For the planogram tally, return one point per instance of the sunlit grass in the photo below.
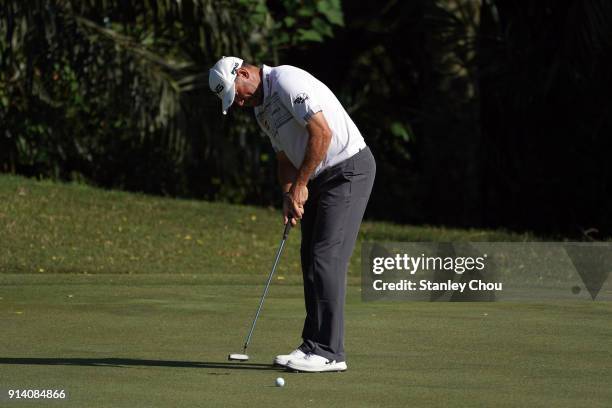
(51, 228)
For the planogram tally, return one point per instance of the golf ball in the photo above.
(280, 382)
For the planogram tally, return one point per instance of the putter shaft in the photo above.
(265, 292)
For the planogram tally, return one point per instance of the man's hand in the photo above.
(293, 202)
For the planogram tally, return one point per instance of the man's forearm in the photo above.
(316, 149)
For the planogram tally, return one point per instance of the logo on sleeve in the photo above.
(301, 98)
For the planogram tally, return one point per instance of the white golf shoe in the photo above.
(283, 359)
(313, 363)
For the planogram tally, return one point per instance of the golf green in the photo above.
(162, 340)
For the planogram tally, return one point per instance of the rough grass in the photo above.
(51, 228)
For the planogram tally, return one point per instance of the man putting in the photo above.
(326, 172)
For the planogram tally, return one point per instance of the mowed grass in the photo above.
(125, 300)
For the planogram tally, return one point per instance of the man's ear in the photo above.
(243, 72)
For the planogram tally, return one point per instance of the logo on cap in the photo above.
(234, 69)
(219, 88)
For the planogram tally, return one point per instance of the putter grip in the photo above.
(287, 227)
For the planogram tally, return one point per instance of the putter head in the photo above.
(238, 357)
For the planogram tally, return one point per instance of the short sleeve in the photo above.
(299, 97)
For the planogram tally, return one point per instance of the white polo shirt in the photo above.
(291, 97)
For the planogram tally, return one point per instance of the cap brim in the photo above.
(228, 98)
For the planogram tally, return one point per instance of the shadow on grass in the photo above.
(129, 362)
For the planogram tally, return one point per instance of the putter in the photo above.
(244, 356)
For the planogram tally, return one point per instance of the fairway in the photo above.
(82, 315)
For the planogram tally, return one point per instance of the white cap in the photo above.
(221, 80)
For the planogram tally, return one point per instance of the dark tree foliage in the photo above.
(489, 113)
(492, 113)
(116, 93)
(546, 76)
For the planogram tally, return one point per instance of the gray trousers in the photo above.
(337, 199)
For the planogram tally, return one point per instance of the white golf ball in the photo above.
(280, 382)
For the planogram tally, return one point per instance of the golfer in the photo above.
(326, 172)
